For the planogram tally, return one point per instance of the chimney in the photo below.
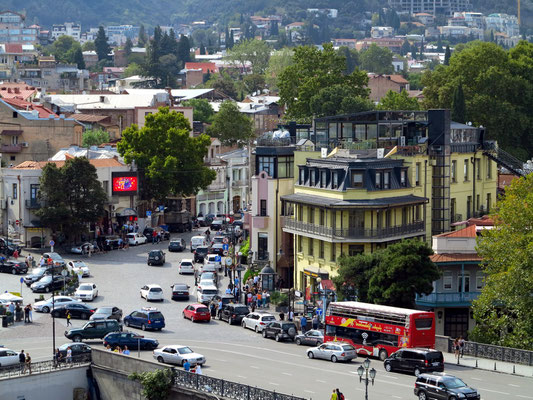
(102, 99)
(9, 90)
(17, 90)
(170, 98)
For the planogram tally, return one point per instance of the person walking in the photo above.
(68, 318)
(456, 348)
(154, 236)
(219, 308)
(340, 396)
(461, 346)
(291, 315)
(199, 369)
(28, 362)
(303, 324)
(57, 357)
(259, 297)
(26, 314)
(315, 322)
(22, 361)
(69, 356)
(31, 312)
(334, 395)
(126, 351)
(187, 365)
(16, 254)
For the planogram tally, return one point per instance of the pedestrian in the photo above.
(31, 312)
(187, 365)
(68, 318)
(158, 236)
(456, 348)
(195, 277)
(57, 357)
(136, 227)
(126, 351)
(12, 308)
(303, 323)
(154, 236)
(213, 310)
(219, 308)
(315, 322)
(334, 395)
(291, 315)
(22, 361)
(249, 298)
(28, 362)
(461, 345)
(340, 396)
(26, 314)
(108, 348)
(16, 254)
(259, 297)
(199, 369)
(267, 298)
(28, 261)
(42, 261)
(69, 356)
(282, 316)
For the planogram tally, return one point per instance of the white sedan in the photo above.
(186, 266)
(8, 357)
(176, 354)
(152, 292)
(77, 266)
(135, 239)
(257, 320)
(82, 248)
(46, 305)
(86, 291)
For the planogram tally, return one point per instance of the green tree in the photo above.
(255, 52)
(202, 110)
(224, 84)
(377, 59)
(352, 58)
(398, 101)
(254, 83)
(88, 46)
(142, 40)
(202, 49)
(72, 195)
(170, 161)
(101, 45)
(231, 126)
(156, 384)
(230, 41)
(312, 71)
(184, 50)
(353, 276)
(406, 47)
(64, 49)
(447, 55)
(458, 105)
(503, 310)
(277, 63)
(338, 99)
(78, 58)
(94, 137)
(127, 47)
(439, 45)
(132, 69)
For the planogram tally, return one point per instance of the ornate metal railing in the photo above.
(225, 388)
(15, 370)
(498, 353)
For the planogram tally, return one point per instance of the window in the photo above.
(468, 206)
(333, 255)
(263, 208)
(476, 206)
(454, 171)
(323, 179)
(262, 246)
(34, 192)
(300, 245)
(322, 217)
(302, 176)
(335, 180)
(266, 164)
(403, 178)
(463, 282)
(489, 201)
(480, 281)
(465, 171)
(285, 167)
(15, 114)
(477, 166)
(14, 140)
(378, 180)
(14, 194)
(386, 184)
(321, 249)
(447, 280)
(417, 212)
(417, 174)
(300, 213)
(356, 249)
(312, 177)
(105, 186)
(489, 168)
(357, 179)
(453, 208)
(310, 243)
(311, 215)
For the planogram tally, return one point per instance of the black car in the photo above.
(93, 330)
(112, 243)
(156, 257)
(200, 253)
(415, 360)
(226, 299)
(217, 248)
(234, 313)
(148, 232)
(177, 245)
(81, 311)
(13, 267)
(443, 387)
(180, 291)
(280, 330)
(7, 247)
(34, 275)
(132, 340)
(80, 352)
(47, 284)
(312, 338)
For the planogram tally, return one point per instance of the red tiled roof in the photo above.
(394, 78)
(505, 180)
(454, 257)
(469, 231)
(97, 162)
(26, 105)
(206, 67)
(13, 48)
(20, 90)
(89, 117)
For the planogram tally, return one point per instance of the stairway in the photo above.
(504, 159)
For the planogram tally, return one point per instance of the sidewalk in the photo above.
(486, 364)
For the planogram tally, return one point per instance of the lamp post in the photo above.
(364, 369)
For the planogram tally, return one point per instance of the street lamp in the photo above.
(361, 370)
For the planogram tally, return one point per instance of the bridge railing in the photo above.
(20, 369)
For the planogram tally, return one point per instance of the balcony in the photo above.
(352, 234)
(33, 204)
(11, 148)
(447, 299)
(239, 183)
(216, 186)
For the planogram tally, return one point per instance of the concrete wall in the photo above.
(57, 385)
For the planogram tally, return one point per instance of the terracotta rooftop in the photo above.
(505, 180)
(9, 90)
(204, 66)
(88, 117)
(455, 257)
(13, 48)
(469, 231)
(97, 163)
(26, 105)
(394, 78)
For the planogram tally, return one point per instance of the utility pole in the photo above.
(519, 14)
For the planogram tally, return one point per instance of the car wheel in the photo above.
(453, 398)
(256, 329)
(14, 271)
(310, 354)
(127, 323)
(388, 367)
(278, 337)
(46, 309)
(84, 316)
(230, 321)
(192, 319)
(77, 338)
(383, 354)
(422, 396)
(264, 334)
(184, 317)
(334, 359)
(298, 341)
(160, 359)
(417, 371)
(143, 327)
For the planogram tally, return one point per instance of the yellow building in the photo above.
(393, 175)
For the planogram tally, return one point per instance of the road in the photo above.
(232, 352)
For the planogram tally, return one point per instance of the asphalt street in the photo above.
(232, 352)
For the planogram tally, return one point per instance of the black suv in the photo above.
(156, 257)
(200, 253)
(443, 387)
(415, 360)
(280, 330)
(94, 330)
(234, 313)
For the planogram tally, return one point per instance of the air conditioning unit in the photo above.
(25, 144)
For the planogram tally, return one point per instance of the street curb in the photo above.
(486, 369)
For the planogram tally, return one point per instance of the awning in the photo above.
(316, 272)
(125, 212)
(11, 132)
(327, 284)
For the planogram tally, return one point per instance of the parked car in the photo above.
(77, 310)
(107, 312)
(82, 248)
(234, 313)
(34, 275)
(80, 351)
(13, 267)
(312, 337)
(415, 360)
(48, 283)
(205, 294)
(257, 320)
(113, 242)
(77, 266)
(226, 299)
(333, 351)
(197, 312)
(152, 292)
(214, 259)
(180, 291)
(177, 245)
(146, 318)
(218, 239)
(186, 266)
(216, 225)
(280, 330)
(445, 387)
(197, 241)
(217, 248)
(135, 239)
(57, 260)
(208, 278)
(207, 267)
(86, 291)
(8, 247)
(177, 354)
(46, 305)
(156, 257)
(200, 253)
(93, 330)
(130, 339)
(148, 232)
(8, 357)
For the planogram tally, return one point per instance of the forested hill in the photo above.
(91, 13)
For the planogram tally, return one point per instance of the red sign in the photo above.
(366, 325)
(125, 184)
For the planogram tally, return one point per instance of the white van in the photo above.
(205, 294)
(197, 241)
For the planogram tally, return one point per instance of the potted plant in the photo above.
(40, 298)
(280, 300)
(10, 317)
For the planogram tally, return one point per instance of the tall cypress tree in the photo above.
(230, 42)
(143, 39)
(184, 49)
(128, 46)
(202, 49)
(439, 45)
(447, 55)
(78, 58)
(101, 45)
(459, 105)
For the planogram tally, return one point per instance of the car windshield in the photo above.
(176, 242)
(286, 327)
(38, 271)
(154, 253)
(454, 383)
(186, 263)
(85, 287)
(202, 249)
(156, 315)
(156, 289)
(242, 310)
(184, 350)
(46, 279)
(202, 309)
(180, 287)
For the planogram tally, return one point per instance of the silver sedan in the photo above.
(334, 351)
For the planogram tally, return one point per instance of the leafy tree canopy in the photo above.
(230, 125)
(398, 101)
(338, 99)
(277, 63)
(132, 69)
(223, 83)
(101, 45)
(253, 51)
(170, 161)
(503, 310)
(377, 60)
(94, 137)
(156, 384)
(202, 110)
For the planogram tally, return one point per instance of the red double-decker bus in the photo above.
(377, 330)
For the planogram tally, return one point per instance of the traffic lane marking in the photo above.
(495, 391)
(510, 384)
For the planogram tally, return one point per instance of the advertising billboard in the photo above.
(125, 183)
